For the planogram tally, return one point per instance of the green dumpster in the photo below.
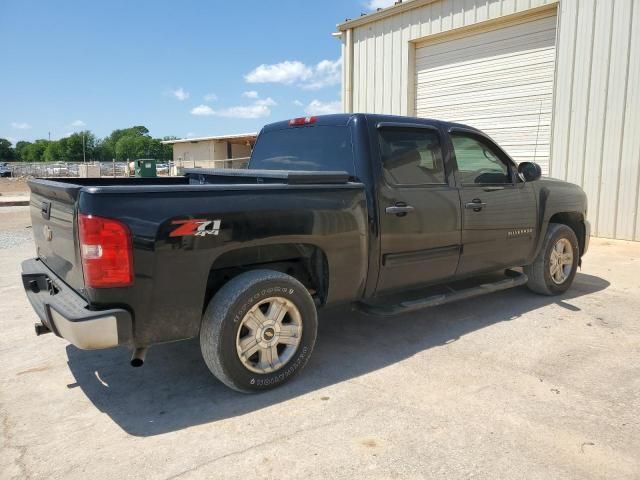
(145, 167)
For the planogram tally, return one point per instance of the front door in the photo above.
(499, 210)
(419, 209)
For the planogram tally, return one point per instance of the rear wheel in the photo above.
(258, 330)
(554, 269)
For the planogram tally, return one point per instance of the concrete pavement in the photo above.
(510, 385)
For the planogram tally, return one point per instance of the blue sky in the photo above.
(184, 68)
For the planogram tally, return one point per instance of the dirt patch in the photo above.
(13, 186)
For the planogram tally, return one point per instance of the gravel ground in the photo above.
(15, 229)
(509, 385)
(13, 186)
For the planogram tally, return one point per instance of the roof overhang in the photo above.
(396, 9)
(236, 138)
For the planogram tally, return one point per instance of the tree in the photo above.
(74, 150)
(34, 152)
(20, 146)
(132, 147)
(108, 147)
(54, 152)
(104, 150)
(128, 143)
(7, 153)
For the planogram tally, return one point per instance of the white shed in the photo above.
(222, 151)
(556, 82)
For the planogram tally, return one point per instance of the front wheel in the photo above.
(554, 269)
(259, 330)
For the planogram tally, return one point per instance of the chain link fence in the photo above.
(116, 169)
(65, 169)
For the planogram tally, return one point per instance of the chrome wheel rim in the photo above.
(561, 261)
(269, 335)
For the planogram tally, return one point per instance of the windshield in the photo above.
(324, 148)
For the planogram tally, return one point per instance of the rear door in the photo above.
(419, 208)
(499, 210)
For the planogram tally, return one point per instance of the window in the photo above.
(477, 162)
(411, 156)
(324, 148)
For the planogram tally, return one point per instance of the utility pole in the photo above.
(84, 156)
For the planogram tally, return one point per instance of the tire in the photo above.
(539, 272)
(232, 321)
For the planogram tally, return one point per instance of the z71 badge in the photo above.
(198, 227)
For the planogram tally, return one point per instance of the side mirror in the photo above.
(529, 171)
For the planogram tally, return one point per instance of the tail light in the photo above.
(295, 122)
(107, 256)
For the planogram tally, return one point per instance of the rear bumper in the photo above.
(68, 315)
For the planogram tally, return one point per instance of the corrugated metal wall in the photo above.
(500, 81)
(596, 129)
(383, 51)
(596, 109)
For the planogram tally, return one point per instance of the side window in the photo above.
(477, 162)
(411, 156)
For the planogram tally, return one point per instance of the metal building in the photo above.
(556, 82)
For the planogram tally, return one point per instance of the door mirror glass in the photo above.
(530, 171)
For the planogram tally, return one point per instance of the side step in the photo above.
(515, 280)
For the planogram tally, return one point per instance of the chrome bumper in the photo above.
(67, 314)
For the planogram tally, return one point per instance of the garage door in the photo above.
(500, 81)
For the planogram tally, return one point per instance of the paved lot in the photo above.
(511, 385)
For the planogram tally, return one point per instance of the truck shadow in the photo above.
(175, 390)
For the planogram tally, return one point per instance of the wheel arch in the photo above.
(305, 262)
(573, 220)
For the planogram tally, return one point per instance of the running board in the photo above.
(515, 280)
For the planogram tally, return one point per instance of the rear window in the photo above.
(324, 148)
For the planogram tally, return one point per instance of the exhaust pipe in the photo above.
(137, 359)
(41, 329)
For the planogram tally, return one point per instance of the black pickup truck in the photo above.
(390, 214)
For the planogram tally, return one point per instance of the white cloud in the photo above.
(267, 102)
(316, 107)
(190, 135)
(324, 74)
(376, 4)
(21, 125)
(285, 72)
(210, 97)
(78, 123)
(202, 110)
(298, 103)
(260, 108)
(250, 111)
(250, 94)
(180, 93)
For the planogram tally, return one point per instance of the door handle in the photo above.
(399, 209)
(476, 205)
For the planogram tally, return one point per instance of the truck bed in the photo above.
(256, 210)
(196, 176)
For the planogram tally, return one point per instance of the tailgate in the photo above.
(53, 217)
